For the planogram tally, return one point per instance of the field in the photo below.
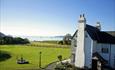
(31, 53)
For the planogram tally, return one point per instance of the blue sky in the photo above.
(53, 17)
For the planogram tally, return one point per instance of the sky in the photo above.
(53, 17)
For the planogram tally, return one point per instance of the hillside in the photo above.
(2, 35)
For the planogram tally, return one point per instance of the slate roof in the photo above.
(111, 32)
(101, 36)
(74, 34)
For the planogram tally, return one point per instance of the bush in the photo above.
(4, 55)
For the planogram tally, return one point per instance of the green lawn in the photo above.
(30, 53)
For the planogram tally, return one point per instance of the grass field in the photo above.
(31, 53)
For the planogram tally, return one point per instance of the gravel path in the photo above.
(50, 66)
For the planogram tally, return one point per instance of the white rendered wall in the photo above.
(74, 44)
(73, 49)
(94, 46)
(104, 55)
(112, 56)
(88, 50)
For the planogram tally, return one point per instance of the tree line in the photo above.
(13, 40)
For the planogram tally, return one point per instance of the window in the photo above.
(104, 50)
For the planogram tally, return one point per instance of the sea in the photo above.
(43, 38)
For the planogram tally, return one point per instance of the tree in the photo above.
(8, 39)
(26, 40)
(18, 40)
(67, 39)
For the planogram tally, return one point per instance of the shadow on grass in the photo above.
(4, 55)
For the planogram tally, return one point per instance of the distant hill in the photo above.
(43, 38)
(2, 35)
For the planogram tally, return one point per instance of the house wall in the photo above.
(112, 56)
(73, 44)
(73, 49)
(99, 47)
(88, 50)
(94, 46)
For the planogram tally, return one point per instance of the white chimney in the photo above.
(98, 25)
(82, 19)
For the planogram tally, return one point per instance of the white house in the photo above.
(92, 47)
